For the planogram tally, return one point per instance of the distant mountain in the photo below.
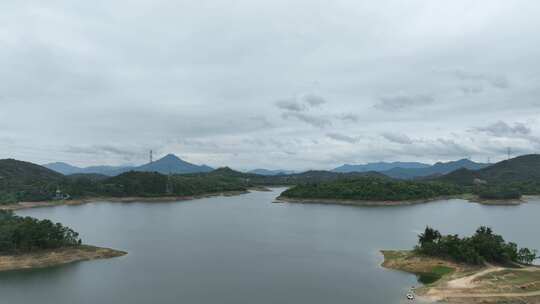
(168, 164)
(172, 164)
(439, 168)
(525, 168)
(68, 169)
(63, 168)
(379, 166)
(271, 172)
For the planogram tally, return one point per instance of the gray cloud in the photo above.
(343, 138)
(401, 102)
(316, 121)
(501, 128)
(291, 105)
(313, 100)
(88, 101)
(348, 117)
(397, 138)
(497, 81)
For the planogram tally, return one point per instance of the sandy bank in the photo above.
(74, 202)
(48, 258)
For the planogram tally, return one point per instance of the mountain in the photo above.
(172, 164)
(525, 168)
(271, 172)
(379, 166)
(68, 169)
(63, 168)
(15, 171)
(439, 168)
(168, 164)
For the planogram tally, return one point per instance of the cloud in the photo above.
(313, 100)
(497, 81)
(316, 121)
(397, 138)
(104, 150)
(502, 129)
(343, 138)
(401, 102)
(291, 105)
(348, 117)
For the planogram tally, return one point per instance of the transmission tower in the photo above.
(151, 156)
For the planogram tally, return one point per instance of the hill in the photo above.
(525, 168)
(379, 166)
(168, 164)
(370, 189)
(271, 172)
(439, 168)
(26, 181)
(172, 164)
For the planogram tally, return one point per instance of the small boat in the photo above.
(410, 296)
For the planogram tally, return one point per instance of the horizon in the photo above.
(358, 83)
(283, 169)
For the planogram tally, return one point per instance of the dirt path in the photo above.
(459, 288)
(467, 282)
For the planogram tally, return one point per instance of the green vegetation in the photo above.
(436, 274)
(483, 246)
(26, 234)
(373, 188)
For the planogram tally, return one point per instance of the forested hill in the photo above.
(17, 171)
(372, 189)
(524, 168)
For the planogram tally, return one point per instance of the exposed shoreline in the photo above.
(367, 203)
(157, 199)
(55, 257)
(465, 283)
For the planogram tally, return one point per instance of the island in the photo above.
(483, 268)
(27, 242)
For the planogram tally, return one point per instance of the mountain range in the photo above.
(411, 170)
(168, 164)
(271, 172)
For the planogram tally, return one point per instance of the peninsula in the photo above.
(26, 243)
(482, 268)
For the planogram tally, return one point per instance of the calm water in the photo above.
(245, 249)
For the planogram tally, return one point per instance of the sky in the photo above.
(304, 84)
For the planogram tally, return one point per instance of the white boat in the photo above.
(410, 296)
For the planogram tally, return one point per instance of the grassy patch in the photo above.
(434, 275)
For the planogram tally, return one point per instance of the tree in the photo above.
(429, 235)
(526, 256)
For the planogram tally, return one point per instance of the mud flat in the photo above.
(49, 258)
(461, 283)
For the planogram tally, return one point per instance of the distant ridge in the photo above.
(379, 166)
(168, 164)
(525, 168)
(271, 172)
(411, 170)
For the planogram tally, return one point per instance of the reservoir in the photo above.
(246, 249)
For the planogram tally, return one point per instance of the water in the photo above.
(245, 249)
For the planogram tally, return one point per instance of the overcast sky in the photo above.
(274, 84)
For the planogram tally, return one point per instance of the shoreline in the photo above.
(131, 199)
(373, 203)
(462, 283)
(56, 257)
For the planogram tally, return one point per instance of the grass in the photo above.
(427, 269)
(434, 275)
(512, 280)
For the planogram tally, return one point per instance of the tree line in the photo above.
(483, 246)
(26, 234)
